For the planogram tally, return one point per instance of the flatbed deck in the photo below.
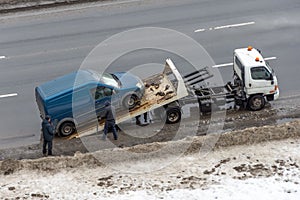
(160, 89)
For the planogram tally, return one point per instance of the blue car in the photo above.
(78, 98)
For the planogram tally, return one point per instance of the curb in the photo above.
(8, 6)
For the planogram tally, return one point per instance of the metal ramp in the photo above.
(198, 76)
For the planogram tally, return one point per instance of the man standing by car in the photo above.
(110, 123)
(138, 120)
(48, 134)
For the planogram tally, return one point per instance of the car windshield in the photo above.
(110, 79)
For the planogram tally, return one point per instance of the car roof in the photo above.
(68, 82)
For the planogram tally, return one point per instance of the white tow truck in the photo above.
(254, 83)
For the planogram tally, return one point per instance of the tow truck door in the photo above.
(260, 81)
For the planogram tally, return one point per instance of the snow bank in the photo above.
(118, 156)
(264, 188)
(268, 170)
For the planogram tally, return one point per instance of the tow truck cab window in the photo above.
(238, 63)
(260, 73)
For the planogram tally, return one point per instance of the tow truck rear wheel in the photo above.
(256, 102)
(66, 129)
(173, 115)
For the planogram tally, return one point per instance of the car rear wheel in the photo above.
(66, 129)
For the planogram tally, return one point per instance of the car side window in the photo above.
(260, 73)
(107, 91)
(101, 92)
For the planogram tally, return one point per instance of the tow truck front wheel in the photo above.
(256, 102)
(66, 129)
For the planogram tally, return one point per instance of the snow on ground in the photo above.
(263, 188)
(265, 171)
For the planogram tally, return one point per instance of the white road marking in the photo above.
(2, 57)
(8, 95)
(200, 30)
(223, 27)
(230, 64)
(223, 65)
(234, 25)
(270, 58)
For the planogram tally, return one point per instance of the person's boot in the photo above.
(104, 137)
(138, 122)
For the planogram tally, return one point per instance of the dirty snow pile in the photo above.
(264, 188)
(268, 170)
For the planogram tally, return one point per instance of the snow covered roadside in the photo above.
(268, 170)
(227, 190)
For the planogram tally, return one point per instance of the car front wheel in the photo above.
(130, 101)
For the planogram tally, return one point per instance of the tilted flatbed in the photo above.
(160, 90)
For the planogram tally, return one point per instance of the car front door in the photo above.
(102, 94)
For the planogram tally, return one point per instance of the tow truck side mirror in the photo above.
(272, 79)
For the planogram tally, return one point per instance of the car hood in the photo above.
(127, 79)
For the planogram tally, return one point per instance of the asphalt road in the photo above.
(37, 46)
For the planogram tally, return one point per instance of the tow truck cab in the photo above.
(255, 77)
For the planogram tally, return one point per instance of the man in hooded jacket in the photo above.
(110, 123)
(48, 134)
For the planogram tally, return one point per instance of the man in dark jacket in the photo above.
(138, 121)
(110, 123)
(48, 134)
